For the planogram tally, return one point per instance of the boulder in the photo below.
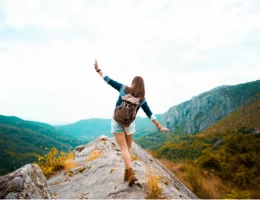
(27, 182)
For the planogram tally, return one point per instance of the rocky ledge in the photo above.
(99, 173)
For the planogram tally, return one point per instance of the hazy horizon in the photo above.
(181, 48)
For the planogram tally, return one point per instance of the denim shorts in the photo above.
(115, 127)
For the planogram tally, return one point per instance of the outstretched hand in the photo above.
(163, 129)
(96, 65)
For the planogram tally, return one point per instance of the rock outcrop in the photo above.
(103, 177)
(27, 182)
(98, 174)
(201, 111)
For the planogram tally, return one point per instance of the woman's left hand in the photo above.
(163, 129)
(96, 65)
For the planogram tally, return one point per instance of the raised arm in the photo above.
(151, 116)
(110, 81)
(97, 69)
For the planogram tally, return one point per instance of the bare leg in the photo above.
(129, 139)
(120, 138)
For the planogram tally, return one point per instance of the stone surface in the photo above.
(16, 184)
(103, 177)
(99, 178)
(26, 182)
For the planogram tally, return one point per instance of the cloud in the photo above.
(181, 48)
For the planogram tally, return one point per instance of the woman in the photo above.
(124, 135)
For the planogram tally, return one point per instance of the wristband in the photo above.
(158, 127)
(98, 70)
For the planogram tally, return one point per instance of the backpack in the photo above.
(125, 113)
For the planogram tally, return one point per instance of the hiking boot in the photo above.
(126, 176)
(132, 178)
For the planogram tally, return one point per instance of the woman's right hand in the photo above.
(96, 65)
(163, 129)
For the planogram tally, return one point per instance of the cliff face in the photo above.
(200, 112)
(101, 175)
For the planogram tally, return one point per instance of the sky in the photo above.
(180, 48)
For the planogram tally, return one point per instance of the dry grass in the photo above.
(133, 157)
(255, 194)
(56, 183)
(69, 163)
(54, 161)
(82, 169)
(149, 151)
(71, 174)
(55, 194)
(239, 194)
(153, 190)
(164, 180)
(94, 155)
(112, 169)
(202, 183)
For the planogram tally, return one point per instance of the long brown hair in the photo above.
(137, 89)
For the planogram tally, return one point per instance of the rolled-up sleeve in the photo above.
(112, 82)
(147, 110)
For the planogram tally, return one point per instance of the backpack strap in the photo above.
(122, 90)
(142, 102)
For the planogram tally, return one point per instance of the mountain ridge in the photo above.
(196, 114)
